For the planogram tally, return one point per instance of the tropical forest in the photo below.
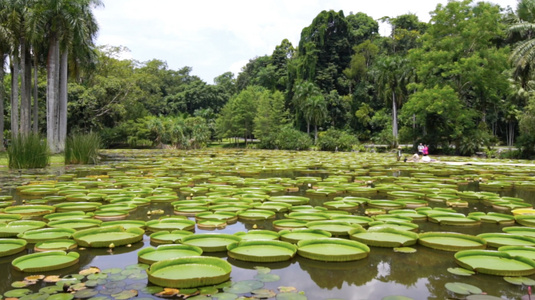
(299, 177)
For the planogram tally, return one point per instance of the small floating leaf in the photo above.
(152, 289)
(287, 289)
(264, 293)
(209, 290)
(35, 296)
(520, 280)
(267, 277)
(112, 270)
(95, 276)
(85, 293)
(137, 266)
(167, 293)
(34, 277)
(52, 278)
(461, 271)
(125, 295)
(262, 270)
(225, 296)
(17, 293)
(245, 286)
(51, 289)
(462, 288)
(61, 296)
(396, 298)
(90, 270)
(291, 296)
(21, 284)
(404, 250)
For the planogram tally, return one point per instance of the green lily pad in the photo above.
(461, 271)
(224, 296)
(61, 296)
(45, 261)
(244, 286)
(125, 295)
(35, 296)
(520, 280)
(267, 277)
(462, 288)
(85, 293)
(17, 293)
(405, 250)
(51, 289)
(291, 296)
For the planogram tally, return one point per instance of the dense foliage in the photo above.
(460, 82)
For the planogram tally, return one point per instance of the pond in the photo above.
(225, 176)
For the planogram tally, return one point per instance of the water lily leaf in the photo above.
(51, 289)
(110, 291)
(74, 276)
(17, 293)
(99, 298)
(245, 286)
(136, 286)
(186, 293)
(225, 296)
(291, 296)
(52, 278)
(112, 271)
(264, 293)
(78, 286)
(461, 271)
(21, 284)
(262, 270)
(90, 270)
(405, 250)
(396, 298)
(209, 290)
(520, 280)
(85, 293)
(167, 293)
(95, 282)
(35, 296)
(117, 277)
(224, 284)
(61, 296)
(115, 284)
(200, 297)
(267, 277)
(462, 288)
(138, 276)
(287, 289)
(95, 276)
(137, 266)
(128, 272)
(484, 297)
(152, 289)
(125, 295)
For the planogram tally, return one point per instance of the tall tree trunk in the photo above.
(3, 58)
(14, 96)
(52, 91)
(62, 112)
(315, 134)
(394, 119)
(35, 95)
(25, 88)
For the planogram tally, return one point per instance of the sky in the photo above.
(215, 36)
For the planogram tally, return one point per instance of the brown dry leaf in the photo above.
(34, 277)
(167, 293)
(52, 278)
(11, 298)
(89, 271)
(77, 287)
(189, 295)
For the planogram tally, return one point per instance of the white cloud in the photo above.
(214, 37)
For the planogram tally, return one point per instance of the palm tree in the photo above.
(523, 55)
(392, 75)
(315, 111)
(70, 26)
(303, 91)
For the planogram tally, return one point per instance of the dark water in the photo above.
(421, 275)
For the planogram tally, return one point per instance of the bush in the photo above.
(28, 151)
(286, 138)
(82, 148)
(334, 139)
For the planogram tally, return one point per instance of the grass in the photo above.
(82, 148)
(27, 152)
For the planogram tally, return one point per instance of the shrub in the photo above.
(82, 148)
(334, 139)
(28, 151)
(286, 138)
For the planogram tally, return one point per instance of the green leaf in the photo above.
(17, 293)
(267, 277)
(245, 286)
(262, 270)
(85, 293)
(291, 296)
(225, 296)
(125, 295)
(35, 296)
(520, 280)
(461, 271)
(405, 250)
(462, 288)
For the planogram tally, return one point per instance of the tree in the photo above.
(303, 91)
(523, 29)
(270, 114)
(315, 111)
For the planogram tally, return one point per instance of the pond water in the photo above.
(420, 275)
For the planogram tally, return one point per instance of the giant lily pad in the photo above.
(188, 272)
(258, 235)
(12, 229)
(45, 261)
(30, 210)
(60, 244)
(289, 224)
(104, 236)
(168, 237)
(451, 241)
(211, 242)
(256, 214)
(525, 251)
(77, 206)
(335, 227)
(77, 224)
(170, 224)
(296, 235)
(125, 223)
(520, 230)
(46, 234)
(262, 251)
(152, 255)
(384, 237)
(506, 239)
(332, 249)
(11, 246)
(495, 263)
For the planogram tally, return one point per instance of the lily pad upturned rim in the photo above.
(48, 258)
(261, 234)
(155, 236)
(360, 250)
(192, 239)
(384, 237)
(448, 245)
(296, 235)
(16, 246)
(495, 258)
(279, 251)
(66, 245)
(44, 234)
(169, 247)
(131, 235)
(78, 224)
(496, 239)
(220, 267)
